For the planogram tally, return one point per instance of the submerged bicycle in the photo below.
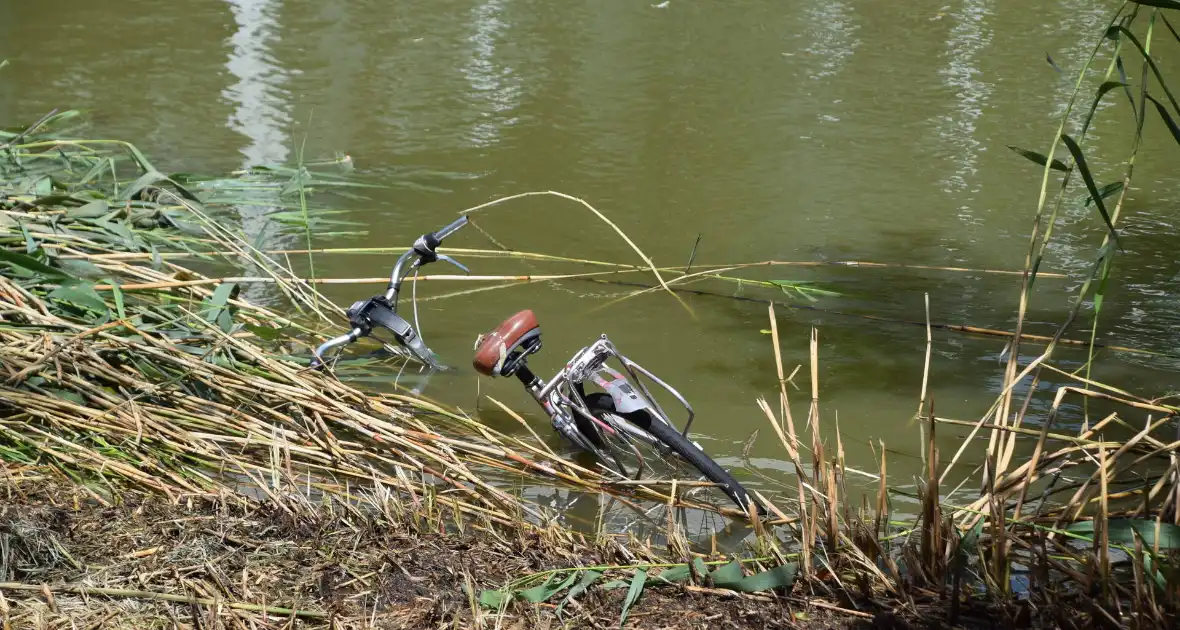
(380, 311)
(611, 424)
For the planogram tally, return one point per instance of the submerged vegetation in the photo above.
(148, 403)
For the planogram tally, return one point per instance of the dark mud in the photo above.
(339, 566)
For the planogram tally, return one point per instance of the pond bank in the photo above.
(211, 561)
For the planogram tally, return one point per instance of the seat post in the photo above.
(526, 376)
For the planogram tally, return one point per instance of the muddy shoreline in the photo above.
(68, 560)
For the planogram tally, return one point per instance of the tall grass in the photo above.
(1128, 18)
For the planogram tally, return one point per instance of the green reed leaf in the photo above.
(633, 593)
(1040, 158)
(1080, 160)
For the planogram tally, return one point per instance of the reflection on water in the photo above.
(259, 103)
(260, 111)
(592, 513)
(495, 86)
(969, 38)
(831, 37)
(1075, 246)
(1078, 16)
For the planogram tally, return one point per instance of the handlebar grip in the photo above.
(317, 359)
(450, 229)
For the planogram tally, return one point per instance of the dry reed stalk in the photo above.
(926, 362)
(931, 540)
(381, 280)
(79, 589)
(784, 400)
(602, 218)
(496, 253)
(1036, 457)
(1101, 531)
(231, 384)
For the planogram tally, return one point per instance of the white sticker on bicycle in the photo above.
(624, 395)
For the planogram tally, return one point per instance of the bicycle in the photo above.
(606, 424)
(380, 311)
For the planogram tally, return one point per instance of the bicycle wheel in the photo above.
(666, 434)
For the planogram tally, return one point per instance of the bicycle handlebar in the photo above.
(317, 358)
(424, 247)
(382, 310)
(449, 229)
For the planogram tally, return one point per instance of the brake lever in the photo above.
(380, 314)
(454, 262)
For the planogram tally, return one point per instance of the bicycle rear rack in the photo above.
(632, 369)
(593, 359)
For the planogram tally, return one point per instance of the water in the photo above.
(796, 131)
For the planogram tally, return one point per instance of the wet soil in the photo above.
(341, 566)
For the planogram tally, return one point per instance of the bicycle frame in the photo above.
(563, 401)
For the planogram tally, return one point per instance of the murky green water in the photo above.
(795, 131)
